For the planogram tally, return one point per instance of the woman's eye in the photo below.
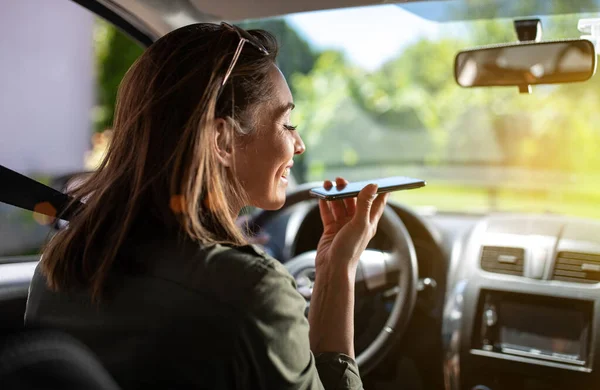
(290, 127)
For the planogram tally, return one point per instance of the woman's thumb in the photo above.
(364, 202)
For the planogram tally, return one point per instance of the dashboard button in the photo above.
(490, 316)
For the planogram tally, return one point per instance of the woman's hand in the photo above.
(349, 225)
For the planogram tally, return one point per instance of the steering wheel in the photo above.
(394, 272)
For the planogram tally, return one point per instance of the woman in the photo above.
(154, 275)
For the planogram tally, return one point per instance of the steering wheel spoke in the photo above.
(377, 271)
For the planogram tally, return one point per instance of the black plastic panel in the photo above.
(502, 260)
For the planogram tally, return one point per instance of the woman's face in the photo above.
(263, 160)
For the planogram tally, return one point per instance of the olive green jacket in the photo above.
(183, 316)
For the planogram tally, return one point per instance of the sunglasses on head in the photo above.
(245, 37)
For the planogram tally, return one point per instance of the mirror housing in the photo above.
(527, 63)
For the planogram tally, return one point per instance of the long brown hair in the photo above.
(160, 165)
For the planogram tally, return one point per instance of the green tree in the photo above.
(403, 92)
(295, 58)
(295, 54)
(115, 53)
(416, 92)
(318, 95)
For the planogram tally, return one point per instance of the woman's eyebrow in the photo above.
(285, 108)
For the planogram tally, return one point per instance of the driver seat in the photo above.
(45, 359)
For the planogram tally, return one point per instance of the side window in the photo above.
(60, 70)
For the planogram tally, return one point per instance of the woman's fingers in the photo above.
(326, 214)
(339, 206)
(378, 207)
(349, 203)
(339, 209)
(341, 182)
(364, 202)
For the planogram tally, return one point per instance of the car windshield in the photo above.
(375, 96)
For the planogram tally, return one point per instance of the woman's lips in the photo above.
(286, 173)
(287, 169)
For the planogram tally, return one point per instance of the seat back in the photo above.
(45, 359)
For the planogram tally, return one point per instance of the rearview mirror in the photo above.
(524, 64)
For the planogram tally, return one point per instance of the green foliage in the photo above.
(295, 58)
(318, 96)
(115, 53)
(410, 110)
(295, 54)
(401, 93)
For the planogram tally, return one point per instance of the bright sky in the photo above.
(368, 35)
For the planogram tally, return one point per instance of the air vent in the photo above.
(502, 260)
(577, 267)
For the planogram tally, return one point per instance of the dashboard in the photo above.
(521, 310)
(512, 300)
(505, 301)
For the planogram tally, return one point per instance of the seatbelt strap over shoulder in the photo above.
(23, 192)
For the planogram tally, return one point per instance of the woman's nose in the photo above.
(299, 145)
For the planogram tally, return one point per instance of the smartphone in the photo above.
(388, 184)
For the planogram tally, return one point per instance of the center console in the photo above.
(523, 306)
(540, 328)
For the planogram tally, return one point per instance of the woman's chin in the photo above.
(273, 202)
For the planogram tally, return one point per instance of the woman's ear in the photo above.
(223, 141)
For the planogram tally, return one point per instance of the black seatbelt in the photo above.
(21, 191)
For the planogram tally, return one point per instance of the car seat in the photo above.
(48, 359)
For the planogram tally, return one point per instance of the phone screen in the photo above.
(388, 184)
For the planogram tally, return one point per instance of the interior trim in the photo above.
(123, 20)
(15, 279)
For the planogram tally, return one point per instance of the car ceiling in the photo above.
(158, 17)
(155, 18)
